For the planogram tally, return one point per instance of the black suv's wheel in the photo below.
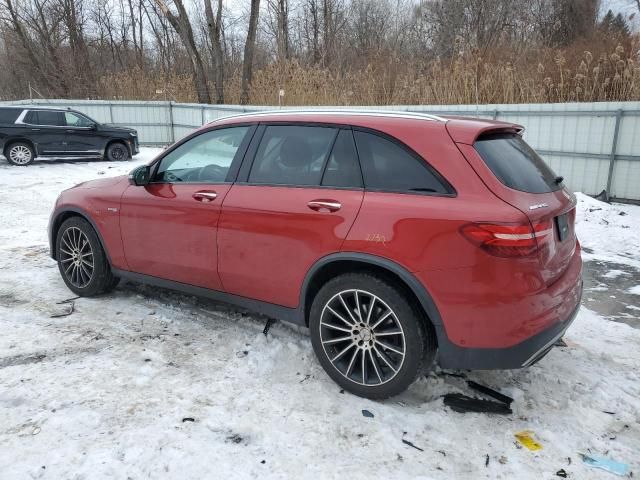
(81, 259)
(20, 153)
(368, 336)
(117, 152)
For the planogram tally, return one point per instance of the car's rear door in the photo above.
(168, 227)
(292, 204)
(46, 129)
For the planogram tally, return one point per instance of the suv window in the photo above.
(202, 159)
(342, 168)
(516, 164)
(9, 115)
(390, 167)
(292, 155)
(46, 117)
(75, 120)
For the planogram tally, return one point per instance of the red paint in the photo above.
(260, 241)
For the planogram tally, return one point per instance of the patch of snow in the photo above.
(105, 392)
(635, 290)
(615, 274)
(608, 232)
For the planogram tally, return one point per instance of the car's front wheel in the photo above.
(117, 152)
(82, 261)
(368, 335)
(20, 153)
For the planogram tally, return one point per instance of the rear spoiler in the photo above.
(467, 130)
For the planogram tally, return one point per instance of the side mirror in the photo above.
(93, 126)
(140, 176)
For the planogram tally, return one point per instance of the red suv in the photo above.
(397, 238)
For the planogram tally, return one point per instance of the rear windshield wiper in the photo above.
(558, 180)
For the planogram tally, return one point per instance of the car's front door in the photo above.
(168, 227)
(81, 136)
(293, 205)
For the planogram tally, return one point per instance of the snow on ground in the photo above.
(103, 392)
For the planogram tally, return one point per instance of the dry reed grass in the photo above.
(570, 75)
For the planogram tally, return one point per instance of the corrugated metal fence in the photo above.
(595, 146)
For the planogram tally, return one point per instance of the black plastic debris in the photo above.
(263, 462)
(462, 404)
(491, 392)
(235, 438)
(486, 462)
(367, 413)
(407, 442)
(267, 326)
(188, 419)
(561, 473)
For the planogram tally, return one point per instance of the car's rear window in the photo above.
(516, 164)
(9, 115)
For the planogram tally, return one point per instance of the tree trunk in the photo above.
(183, 28)
(214, 27)
(249, 47)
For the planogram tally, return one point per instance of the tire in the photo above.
(409, 342)
(117, 152)
(82, 261)
(20, 153)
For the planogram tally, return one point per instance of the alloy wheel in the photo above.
(118, 153)
(76, 257)
(20, 154)
(362, 337)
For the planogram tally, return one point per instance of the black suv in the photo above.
(30, 132)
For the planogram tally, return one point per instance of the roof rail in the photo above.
(353, 112)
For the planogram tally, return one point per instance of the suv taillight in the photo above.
(509, 240)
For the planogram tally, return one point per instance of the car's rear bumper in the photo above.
(523, 354)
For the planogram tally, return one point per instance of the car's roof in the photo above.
(38, 107)
(461, 129)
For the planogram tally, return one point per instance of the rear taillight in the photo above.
(507, 239)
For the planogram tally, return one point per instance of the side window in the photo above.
(75, 120)
(292, 155)
(31, 118)
(388, 166)
(51, 118)
(203, 159)
(342, 168)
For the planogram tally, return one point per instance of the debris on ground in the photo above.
(407, 442)
(486, 462)
(462, 404)
(560, 343)
(561, 473)
(65, 313)
(607, 464)
(188, 419)
(526, 439)
(490, 391)
(267, 326)
(367, 413)
(235, 438)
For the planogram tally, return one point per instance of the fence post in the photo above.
(612, 156)
(172, 127)
(202, 116)
(495, 114)
(110, 112)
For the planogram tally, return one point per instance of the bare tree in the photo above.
(214, 28)
(182, 26)
(249, 49)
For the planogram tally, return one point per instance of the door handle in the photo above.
(320, 205)
(35, 129)
(205, 196)
(71, 131)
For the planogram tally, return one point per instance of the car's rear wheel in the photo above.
(368, 335)
(20, 153)
(82, 261)
(117, 152)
